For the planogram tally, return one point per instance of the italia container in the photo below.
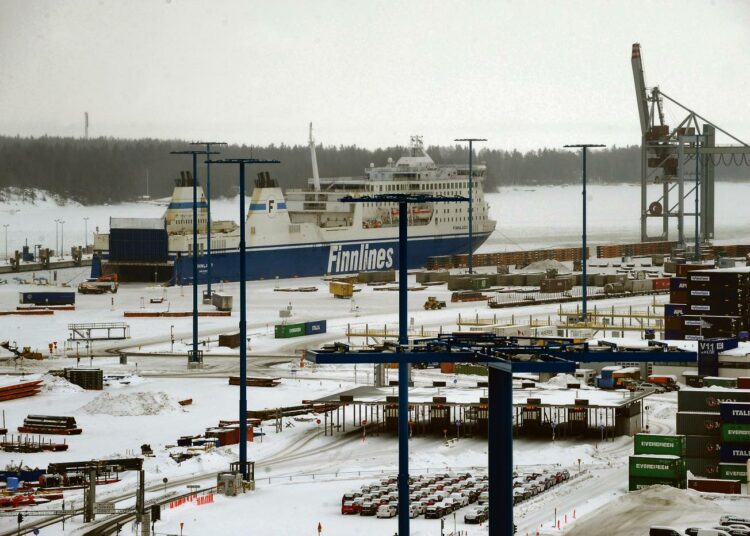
(315, 328)
(47, 298)
(735, 412)
(735, 433)
(287, 331)
(636, 483)
(673, 445)
(735, 452)
(733, 471)
(698, 423)
(663, 466)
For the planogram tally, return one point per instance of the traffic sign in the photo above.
(317, 421)
(458, 422)
(364, 422)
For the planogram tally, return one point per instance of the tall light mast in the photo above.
(314, 158)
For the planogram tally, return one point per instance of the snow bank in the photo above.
(562, 380)
(57, 384)
(540, 267)
(132, 404)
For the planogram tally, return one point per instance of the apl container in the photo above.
(664, 466)
(735, 452)
(673, 445)
(735, 433)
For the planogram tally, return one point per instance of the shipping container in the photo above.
(47, 298)
(743, 382)
(675, 309)
(702, 446)
(674, 335)
(662, 466)
(714, 485)
(733, 471)
(638, 482)
(230, 340)
(340, 289)
(678, 283)
(696, 423)
(735, 433)
(717, 381)
(315, 328)
(673, 445)
(286, 331)
(702, 467)
(709, 399)
(222, 302)
(661, 283)
(735, 452)
(678, 296)
(735, 412)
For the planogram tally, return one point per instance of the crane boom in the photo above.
(640, 87)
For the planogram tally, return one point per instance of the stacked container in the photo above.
(735, 436)
(605, 380)
(658, 459)
(287, 331)
(718, 303)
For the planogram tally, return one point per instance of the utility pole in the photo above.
(6, 225)
(243, 305)
(86, 231)
(57, 231)
(471, 198)
(584, 258)
(62, 239)
(194, 355)
(208, 145)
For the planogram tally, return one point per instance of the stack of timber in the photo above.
(49, 424)
(20, 390)
(255, 382)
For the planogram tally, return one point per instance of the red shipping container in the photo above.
(711, 485)
(661, 283)
(743, 382)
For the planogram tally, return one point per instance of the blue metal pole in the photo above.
(471, 208)
(584, 258)
(403, 375)
(500, 451)
(195, 258)
(208, 217)
(243, 329)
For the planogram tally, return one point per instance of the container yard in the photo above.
(339, 316)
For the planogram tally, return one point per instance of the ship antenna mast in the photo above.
(314, 158)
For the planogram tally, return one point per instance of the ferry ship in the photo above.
(305, 232)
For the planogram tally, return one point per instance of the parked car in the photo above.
(387, 510)
(483, 497)
(350, 508)
(734, 530)
(413, 510)
(663, 531)
(712, 532)
(474, 515)
(368, 509)
(734, 520)
(434, 511)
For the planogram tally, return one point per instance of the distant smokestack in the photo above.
(86, 125)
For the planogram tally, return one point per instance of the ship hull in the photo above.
(308, 260)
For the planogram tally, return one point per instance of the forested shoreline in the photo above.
(107, 170)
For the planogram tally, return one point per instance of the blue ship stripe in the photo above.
(174, 204)
(255, 207)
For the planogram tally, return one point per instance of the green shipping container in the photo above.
(709, 381)
(733, 471)
(735, 433)
(638, 482)
(286, 331)
(673, 445)
(471, 369)
(671, 467)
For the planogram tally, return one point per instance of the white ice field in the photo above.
(289, 500)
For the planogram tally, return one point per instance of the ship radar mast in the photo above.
(314, 158)
(417, 146)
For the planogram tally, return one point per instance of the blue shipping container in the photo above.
(735, 452)
(47, 298)
(139, 245)
(605, 383)
(735, 412)
(315, 328)
(678, 283)
(675, 309)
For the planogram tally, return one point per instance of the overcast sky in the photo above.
(523, 74)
